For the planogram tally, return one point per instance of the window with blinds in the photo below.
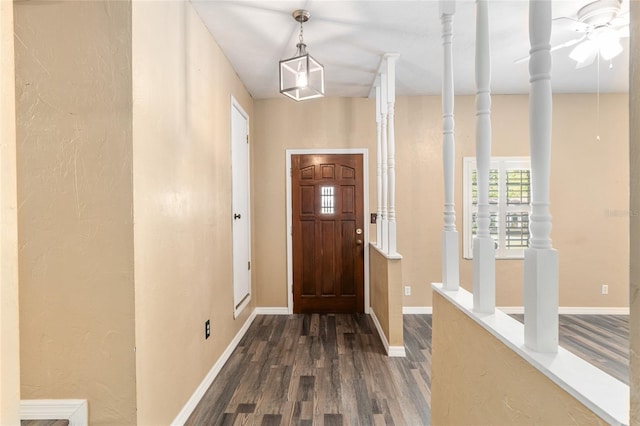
(509, 205)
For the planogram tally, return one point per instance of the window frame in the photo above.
(502, 164)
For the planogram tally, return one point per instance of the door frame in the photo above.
(366, 212)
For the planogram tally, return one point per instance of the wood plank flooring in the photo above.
(332, 370)
(321, 370)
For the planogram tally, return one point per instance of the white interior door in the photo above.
(240, 206)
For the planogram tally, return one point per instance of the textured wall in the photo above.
(282, 124)
(182, 204)
(9, 332)
(386, 295)
(634, 230)
(379, 288)
(477, 380)
(73, 89)
(588, 189)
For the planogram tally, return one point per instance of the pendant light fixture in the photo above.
(301, 77)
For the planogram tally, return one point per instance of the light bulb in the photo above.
(301, 79)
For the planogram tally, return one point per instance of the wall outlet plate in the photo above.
(407, 290)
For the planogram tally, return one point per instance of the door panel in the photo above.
(240, 205)
(328, 238)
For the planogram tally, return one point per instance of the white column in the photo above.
(391, 149)
(385, 181)
(450, 247)
(484, 258)
(540, 259)
(379, 167)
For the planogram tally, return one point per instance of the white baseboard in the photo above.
(573, 310)
(191, 404)
(272, 311)
(74, 410)
(392, 351)
(417, 310)
(564, 310)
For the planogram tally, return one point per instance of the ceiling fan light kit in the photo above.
(602, 27)
(302, 76)
(602, 33)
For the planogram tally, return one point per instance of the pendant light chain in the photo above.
(301, 46)
(301, 33)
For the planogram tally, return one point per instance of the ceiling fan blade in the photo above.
(572, 23)
(554, 48)
(623, 32)
(568, 43)
(620, 20)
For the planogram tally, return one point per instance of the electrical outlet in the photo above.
(605, 289)
(207, 329)
(407, 290)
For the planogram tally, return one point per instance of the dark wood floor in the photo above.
(321, 370)
(332, 370)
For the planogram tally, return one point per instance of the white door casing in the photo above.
(365, 171)
(240, 208)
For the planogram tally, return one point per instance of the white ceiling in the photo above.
(349, 37)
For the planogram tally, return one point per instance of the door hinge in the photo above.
(247, 138)
(249, 265)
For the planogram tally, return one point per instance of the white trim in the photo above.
(509, 310)
(365, 186)
(272, 311)
(394, 256)
(573, 310)
(606, 396)
(417, 310)
(392, 351)
(197, 395)
(237, 310)
(396, 352)
(74, 410)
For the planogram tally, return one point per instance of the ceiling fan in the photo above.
(601, 25)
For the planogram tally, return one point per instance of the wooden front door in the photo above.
(328, 233)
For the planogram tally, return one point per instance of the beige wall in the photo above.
(477, 380)
(9, 332)
(386, 295)
(588, 187)
(73, 88)
(182, 204)
(634, 229)
(282, 124)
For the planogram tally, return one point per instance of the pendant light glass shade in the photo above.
(301, 77)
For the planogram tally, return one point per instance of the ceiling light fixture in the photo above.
(603, 26)
(603, 41)
(301, 77)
